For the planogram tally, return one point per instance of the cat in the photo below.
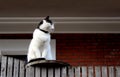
(40, 44)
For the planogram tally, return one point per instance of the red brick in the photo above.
(88, 49)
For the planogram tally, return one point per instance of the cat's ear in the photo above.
(47, 18)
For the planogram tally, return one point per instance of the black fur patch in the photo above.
(41, 22)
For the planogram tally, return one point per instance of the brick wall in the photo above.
(88, 49)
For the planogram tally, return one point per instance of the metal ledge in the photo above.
(47, 63)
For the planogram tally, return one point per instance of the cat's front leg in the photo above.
(47, 52)
(38, 53)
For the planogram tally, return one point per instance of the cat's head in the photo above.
(46, 25)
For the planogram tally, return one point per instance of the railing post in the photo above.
(3, 66)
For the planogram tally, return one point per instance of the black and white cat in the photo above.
(40, 44)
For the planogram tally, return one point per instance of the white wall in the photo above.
(20, 47)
